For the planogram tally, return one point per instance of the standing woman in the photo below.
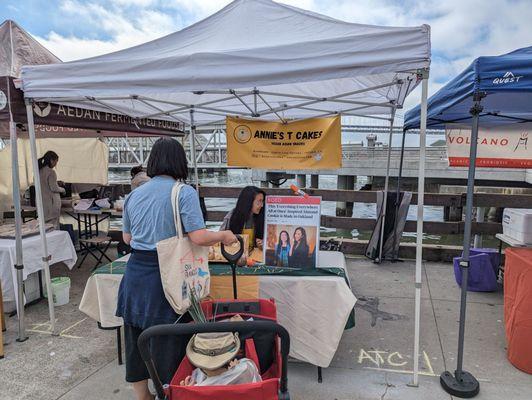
(299, 251)
(147, 219)
(282, 250)
(51, 191)
(248, 216)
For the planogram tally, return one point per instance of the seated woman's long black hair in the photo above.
(47, 159)
(242, 212)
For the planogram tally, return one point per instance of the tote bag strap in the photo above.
(175, 208)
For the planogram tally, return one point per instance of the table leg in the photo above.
(2, 323)
(2, 317)
(41, 289)
(119, 345)
(90, 225)
(78, 220)
(320, 376)
(500, 271)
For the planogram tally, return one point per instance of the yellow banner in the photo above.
(314, 143)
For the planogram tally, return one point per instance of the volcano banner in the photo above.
(498, 147)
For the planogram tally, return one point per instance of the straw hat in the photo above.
(210, 351)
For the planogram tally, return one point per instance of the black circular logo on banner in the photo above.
(242, 134)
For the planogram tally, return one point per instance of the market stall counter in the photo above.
(60, 248)
(315, 305)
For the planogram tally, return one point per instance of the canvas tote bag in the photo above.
(183, 264)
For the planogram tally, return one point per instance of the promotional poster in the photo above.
(292, 231)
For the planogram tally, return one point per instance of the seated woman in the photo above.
(299, 251)
(282, 250)
(248, 216)
(214, 356)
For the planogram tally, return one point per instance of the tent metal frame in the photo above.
(241, 96)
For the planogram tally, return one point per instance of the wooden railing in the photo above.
(367, 224)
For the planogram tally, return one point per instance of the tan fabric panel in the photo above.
(81, 160)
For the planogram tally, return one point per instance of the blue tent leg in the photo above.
(463, 384)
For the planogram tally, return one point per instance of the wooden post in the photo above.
(301, 181)
(314, 181)
(341, 205)
(349, 185)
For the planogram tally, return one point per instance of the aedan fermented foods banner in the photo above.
(314, 143)
(498, 147)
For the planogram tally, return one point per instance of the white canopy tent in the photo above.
(254, 59)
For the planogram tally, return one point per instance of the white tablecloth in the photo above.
(60, 248)
(314, 309)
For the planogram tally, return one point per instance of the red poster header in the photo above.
(310, 200)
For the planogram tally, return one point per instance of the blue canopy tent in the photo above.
(492, 91)
(505, 82)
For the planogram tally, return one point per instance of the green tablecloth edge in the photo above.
(221, 269)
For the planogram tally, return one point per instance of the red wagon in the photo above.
(263, 341)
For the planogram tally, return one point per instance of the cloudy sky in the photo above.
(461, 29)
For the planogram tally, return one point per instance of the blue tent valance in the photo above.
(506, 81)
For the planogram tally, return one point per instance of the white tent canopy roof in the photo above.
(247, 59)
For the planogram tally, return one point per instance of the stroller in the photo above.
(263, 341)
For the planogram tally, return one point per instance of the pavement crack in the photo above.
(386, 386)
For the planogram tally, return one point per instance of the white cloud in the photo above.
(118, 26)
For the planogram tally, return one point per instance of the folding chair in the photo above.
(95, 246)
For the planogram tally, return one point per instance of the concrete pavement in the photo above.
(374, 359)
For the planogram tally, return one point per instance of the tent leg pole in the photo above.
(419, 233)
(40, 213)
(193, 148)
(395, 254)
(386, 183)
(19, 265)
(463, 384)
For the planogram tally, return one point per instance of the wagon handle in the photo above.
(212, 327)
(233, 258)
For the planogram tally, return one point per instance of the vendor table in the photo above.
(511, 242)
(60, 248)
(518, 307)
(85, 218)
(315, 306)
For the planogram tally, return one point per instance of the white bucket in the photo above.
(60, 290)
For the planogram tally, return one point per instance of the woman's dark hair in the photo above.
(303, 235)
(242, 212)
(167, 157)
(135, 170)
(47, 159)
(280, 243)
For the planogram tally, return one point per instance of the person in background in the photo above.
(148, 219)
(138, 177)
(248, 216)
(282, 250)
(51, 191)
(299, 250)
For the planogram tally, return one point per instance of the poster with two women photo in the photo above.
(292, 231)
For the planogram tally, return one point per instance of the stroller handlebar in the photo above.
(193, 328)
